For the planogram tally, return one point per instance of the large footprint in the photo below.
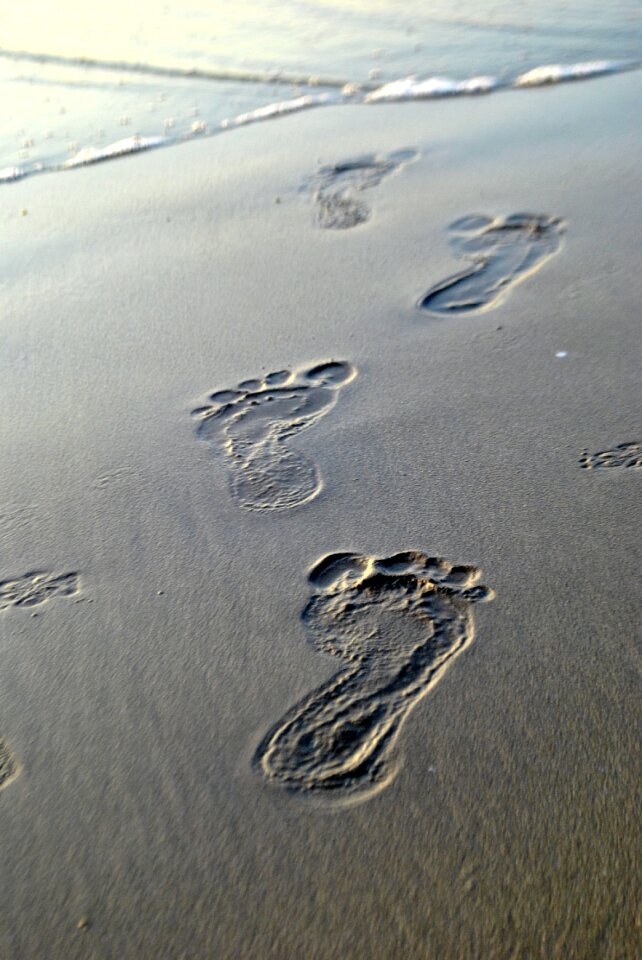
(502, 251)
(250, 427)
(337, 188)
(625, 455)
(398, 622)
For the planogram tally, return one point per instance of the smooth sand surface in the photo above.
(132, 289)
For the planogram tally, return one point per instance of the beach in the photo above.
(139, 822)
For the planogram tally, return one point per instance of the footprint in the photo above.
(502, 252)
(8, 765)
(35, 588)
(337, 188)
(250, 427)
(624, 455)
(29, 591)
(398, 622)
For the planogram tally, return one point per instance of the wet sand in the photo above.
(135, 704)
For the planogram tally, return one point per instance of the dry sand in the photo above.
(134, 707)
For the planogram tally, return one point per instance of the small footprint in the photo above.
(35, 588)
(502, 251)
(251, 425)
(398, 622)
(337, 189)
(8, 765)
(624, 455)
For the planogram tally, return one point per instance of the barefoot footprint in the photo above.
(32, 589)
(336, 188)
(625, 455)
(502, 251)
(251, 424)
(398, 622)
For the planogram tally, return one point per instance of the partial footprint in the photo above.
(337, 188)
(251, 424)
(398, 622)
(8, 765)
(502, 252)
(625, 455)
(35, 588)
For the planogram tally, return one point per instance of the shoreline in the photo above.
(408, 89)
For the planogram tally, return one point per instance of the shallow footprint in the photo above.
(398, 622)
(625, 455)
(337, 188)
(32, 589)
(8, 765)
(251, 424)
(502, 251)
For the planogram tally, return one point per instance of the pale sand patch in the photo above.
(133, 289)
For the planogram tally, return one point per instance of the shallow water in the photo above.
(347, 38)
(76, 82)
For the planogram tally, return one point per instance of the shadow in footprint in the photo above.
(398, 622)
(625, 456)
(502, 251)
(32, 589)
(251, 424)
(337, 188)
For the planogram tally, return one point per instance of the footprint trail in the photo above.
(337, 189)
(502, 252)
(251, 425)
(398, 623)
(625, 456)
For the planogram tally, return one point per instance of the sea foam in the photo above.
(411, 88)
(282, 107)
(407, 88)
(118, 149)
(558, 73)
(7, 174)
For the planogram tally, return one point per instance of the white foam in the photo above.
(282, 107)
(411, 88)
(402, 89)
(118, 149)
(558, 73)
(11, 173)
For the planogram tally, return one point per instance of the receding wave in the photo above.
(402, 89)
(284, 78)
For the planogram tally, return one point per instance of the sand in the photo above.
(136, 824)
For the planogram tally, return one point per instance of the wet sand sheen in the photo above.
(131, 727)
